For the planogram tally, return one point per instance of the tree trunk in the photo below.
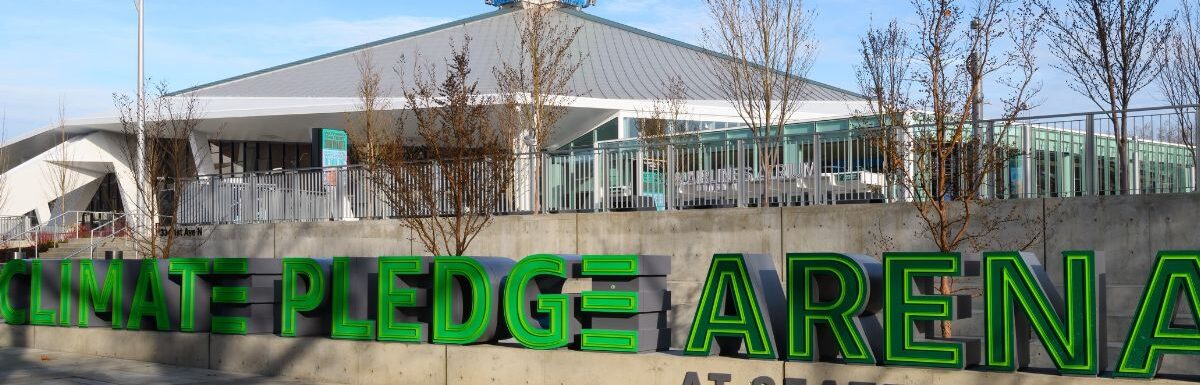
(944, 289)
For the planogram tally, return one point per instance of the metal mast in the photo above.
(140, 155)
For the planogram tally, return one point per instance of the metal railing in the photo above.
(60, 228)
(1068, 155)
(703, 174)
(114, 228)
(12, 226)
(1053, 156)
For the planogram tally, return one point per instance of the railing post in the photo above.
(294, 213)
(543, 190)
(1195, 149)
(669, 178)
(1090, 182)
(989, 178)
(740, 172)
(818, 195)
(1029, 182)
(601, 175)
(1135, 170)
(533, 182)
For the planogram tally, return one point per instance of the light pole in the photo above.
(978, 134)
(140, 156)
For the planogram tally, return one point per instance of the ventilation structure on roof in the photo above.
(522, 3)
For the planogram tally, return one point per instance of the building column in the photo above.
(201, 153)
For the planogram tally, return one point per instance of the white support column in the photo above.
(201, 153)
(1135, 169)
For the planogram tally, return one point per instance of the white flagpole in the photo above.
(140, 161)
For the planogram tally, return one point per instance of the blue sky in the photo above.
(82, 51)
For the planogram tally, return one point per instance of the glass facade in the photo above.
(607, 131)
(107, 197)
(622, 128)
(233, 157)
(1049, 163)
(630, 126)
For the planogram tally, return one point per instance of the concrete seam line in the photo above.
(1045, 234)
(782, 253)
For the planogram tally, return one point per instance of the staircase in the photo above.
(79, 248)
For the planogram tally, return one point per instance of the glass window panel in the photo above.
(225, 160)
(214, 155)
(264, 156)
(239, 162)
(305, 156)
(289, 156)
(251, 157)
(607, 131)
(277, 156)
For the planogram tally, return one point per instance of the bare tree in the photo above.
(448, 179)
(924, 96)
(372, 126)
(1180, 80)
(663, 122)
(59, 170)
(770, 48)
(170, 120)
(535, 89)
(1108, 49)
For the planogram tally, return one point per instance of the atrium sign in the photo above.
(832, 307)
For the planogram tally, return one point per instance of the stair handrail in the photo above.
(21, 220)
(41, 226)
(112, 235)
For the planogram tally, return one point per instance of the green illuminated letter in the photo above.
(829, 289)
(626, 303)
(554, 270)
(1073, 344)
(66, 268)
(343, 326)
(187, 269)
(733, 309)
(224, 295)
(393, 295)
(1154, 331)
(294, 302)
(902, 308)
(462, 280)
(149, 283)
(104, 298)
(13, 269)
(40, 316)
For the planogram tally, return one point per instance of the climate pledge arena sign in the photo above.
(840, 308)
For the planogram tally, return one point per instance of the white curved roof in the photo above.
(621, 62)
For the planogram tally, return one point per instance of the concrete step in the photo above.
(81, 248)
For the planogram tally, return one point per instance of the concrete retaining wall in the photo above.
(1128, 230)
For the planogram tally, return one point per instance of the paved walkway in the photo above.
(33, 366)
